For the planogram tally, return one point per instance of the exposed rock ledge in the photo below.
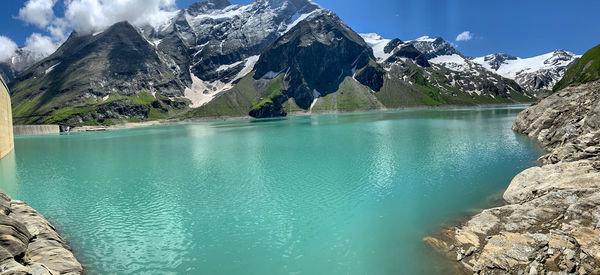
(551, 223)
(29, 244)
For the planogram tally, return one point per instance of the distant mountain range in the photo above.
(266, 59)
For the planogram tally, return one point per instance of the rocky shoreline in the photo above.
(29, 244)
(551, 222)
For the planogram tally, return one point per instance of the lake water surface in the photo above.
(327, 194)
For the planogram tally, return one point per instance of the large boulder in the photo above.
(29, 244)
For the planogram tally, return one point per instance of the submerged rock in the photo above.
(29, 244)
(551, 223)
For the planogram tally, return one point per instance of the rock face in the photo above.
(566, 123)
(552, 220)
(95, 77)
(29, 244)
(316, 56)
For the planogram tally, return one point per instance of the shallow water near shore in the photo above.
(327, 194)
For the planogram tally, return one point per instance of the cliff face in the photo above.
(6, 130)
(566, 123)
(552, 220)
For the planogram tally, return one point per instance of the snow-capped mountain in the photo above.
(267, 58)
(19, 62)
(199, 52)
(536, 74)
(434, 47)
(442, 65)
(222, 41)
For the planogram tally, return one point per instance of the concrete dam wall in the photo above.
(6, 129)
(34, 130)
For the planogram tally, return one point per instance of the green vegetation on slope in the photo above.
(586, 69)
(274, 95)
(95, 112)
(350, 96)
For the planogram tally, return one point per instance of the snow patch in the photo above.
(425, 39)
(298, 17)
(377, 43)
(316, 96)
(454, 62)
(52, 68)
(248, 66)
(202, 92)
(229, 66)
(512, 68)
(270, 75)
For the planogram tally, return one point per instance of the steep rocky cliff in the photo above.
(6, 130)
(551, 222)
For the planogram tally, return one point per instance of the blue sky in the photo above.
(519, 27)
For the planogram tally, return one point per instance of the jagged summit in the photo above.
(265, 58)
(537, 74)
(207, 5)
(434, 47)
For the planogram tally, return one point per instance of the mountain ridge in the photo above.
(214, 48)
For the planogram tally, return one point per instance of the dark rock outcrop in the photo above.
(29, 244)
(409, 51)
(316, 55)
(392, 45)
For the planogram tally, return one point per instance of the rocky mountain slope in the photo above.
(212, 44)
(586, 70)
(537, 74)
(551, 221)
(434, 66)
(199, 53)
(19, 62)
(216, 59)
(315, 59)
(97, 77)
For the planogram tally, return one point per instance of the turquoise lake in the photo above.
(327, 194)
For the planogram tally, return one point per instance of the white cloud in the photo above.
(40, 46)
(87, 16)
(38, 12)
(7, 48)
(464, 36)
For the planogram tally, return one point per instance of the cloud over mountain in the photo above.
(7, 48)
(85, 16)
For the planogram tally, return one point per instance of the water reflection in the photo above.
(8, 173)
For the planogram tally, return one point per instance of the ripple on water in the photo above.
(341, 194)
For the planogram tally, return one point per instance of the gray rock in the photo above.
(554, 210)
(29, 244)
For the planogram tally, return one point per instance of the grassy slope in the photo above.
(236, 102)
(351, 95)
(584, 70)
(142, 100)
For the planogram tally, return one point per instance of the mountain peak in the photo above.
(208, 5)
(425, 39)
(434, 47)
